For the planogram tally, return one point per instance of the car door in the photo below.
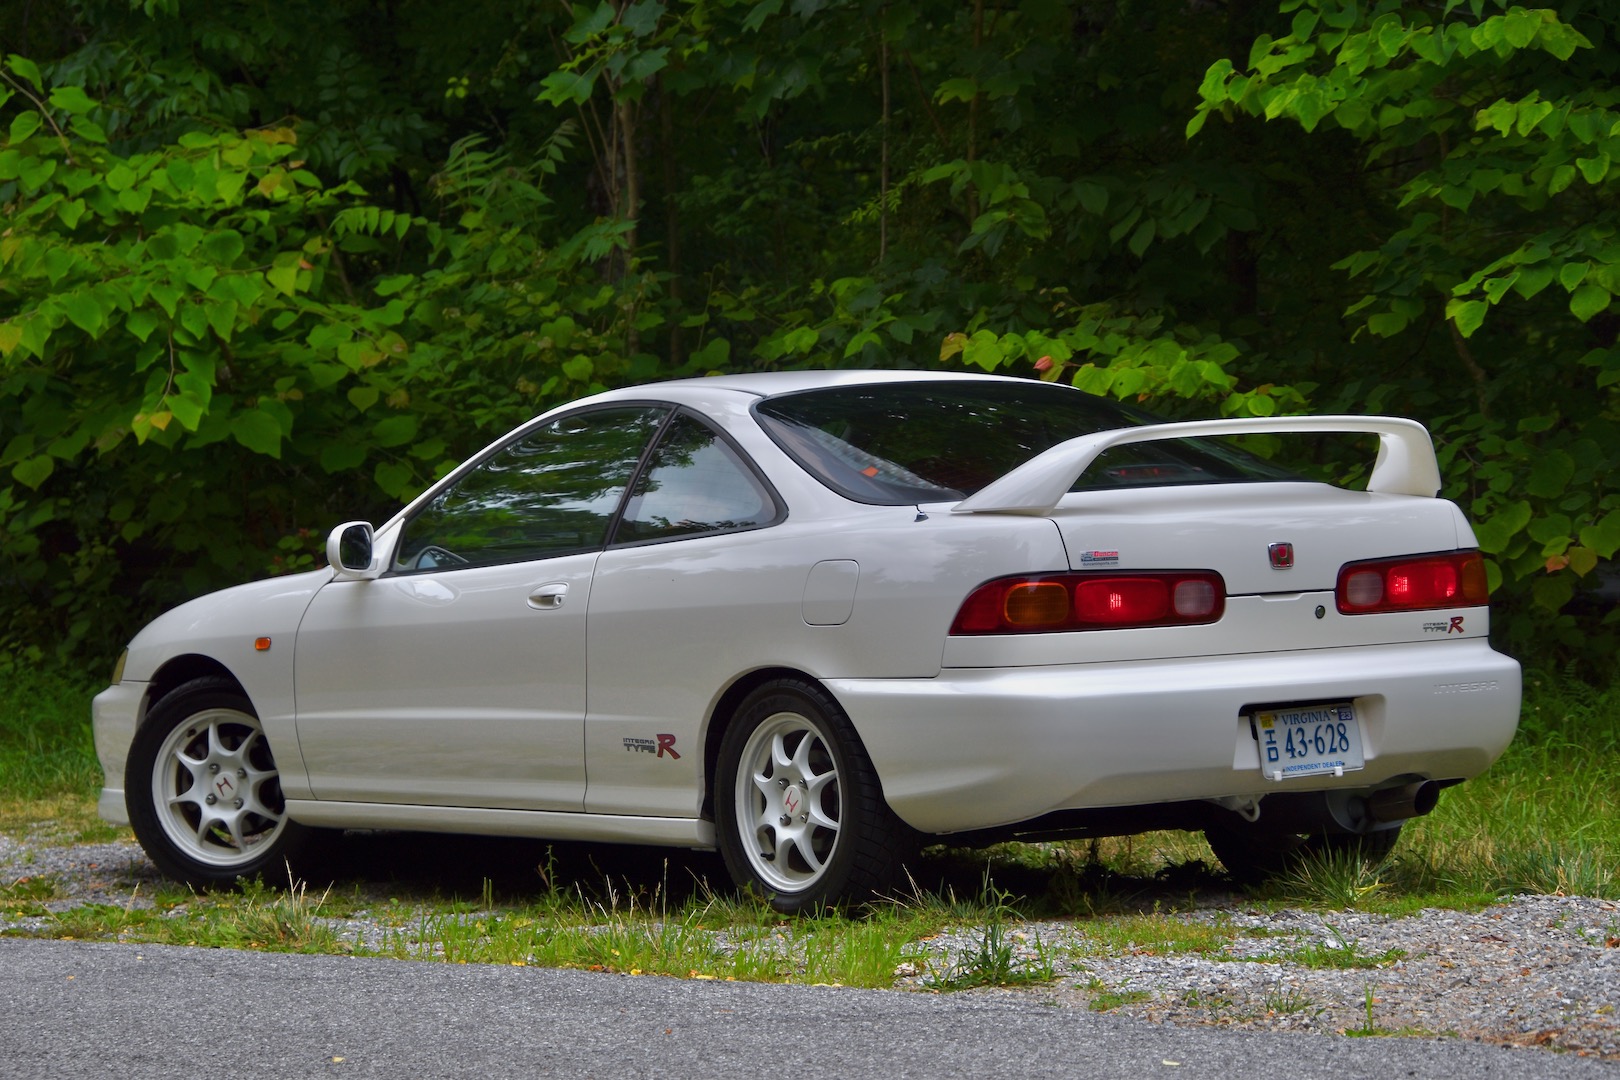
(457, 678)
(685, 578)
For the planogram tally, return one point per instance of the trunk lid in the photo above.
(1231, 529)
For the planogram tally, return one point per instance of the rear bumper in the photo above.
(977, 748)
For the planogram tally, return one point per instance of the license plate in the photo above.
(1309, 741)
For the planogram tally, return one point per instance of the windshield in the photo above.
(900, 443)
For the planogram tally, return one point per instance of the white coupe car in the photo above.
(817, 619)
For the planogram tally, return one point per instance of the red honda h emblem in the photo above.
(1282, 556)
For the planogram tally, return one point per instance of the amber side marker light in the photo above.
(1451, 579)
(261, 644)
(1057, 602)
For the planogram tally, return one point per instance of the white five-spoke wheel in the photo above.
(202, 788)
(798, 808)
(787, 790)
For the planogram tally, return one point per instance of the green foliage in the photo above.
(202, 346)
(265, 269)
(1497, 124)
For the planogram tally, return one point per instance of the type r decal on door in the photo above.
(665, 744)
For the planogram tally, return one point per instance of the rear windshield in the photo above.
(942, 441)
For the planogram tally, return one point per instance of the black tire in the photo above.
(203, 791)
(798, 808)
(1253, 854)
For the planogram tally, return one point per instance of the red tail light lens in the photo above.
(1415, 583)
(1058, 602)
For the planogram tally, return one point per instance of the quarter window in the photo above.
(694, 483)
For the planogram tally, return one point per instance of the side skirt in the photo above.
(477, 821)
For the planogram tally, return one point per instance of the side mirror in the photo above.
(348, 549)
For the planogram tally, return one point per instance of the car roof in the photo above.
(769, 383)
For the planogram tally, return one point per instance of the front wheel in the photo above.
(799, 812)
(202, 788)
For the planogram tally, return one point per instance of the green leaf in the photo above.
(395, 430)
(1594, 168)
(25, 124)
(1093, 197)
(578, 368)
(1467, 314)
(1550, 474)
(984, 350)
(1554, 591)
(70, 211)
(88, 130)
(363, 397)
(1495, 533)
(1519, 27)
(11, 334)
(1532, 279)
(284, 279)
(34, 471)
(1386, 324)
(72, 99)
(258, 431)
(1589, 300)
(1142, 237)
(394, 479)
(24, 68)
(222, 317)
(141, 322)
(1604, 536)
(36, 172)
(186, 408)
(1260, 50)
(1572, 274)
(84, 312)
(342, 456)
(1582, 560)
(713, 356)
(223, 247)
(1562, 177)
(566, 88)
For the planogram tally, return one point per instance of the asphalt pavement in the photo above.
(70, 1009)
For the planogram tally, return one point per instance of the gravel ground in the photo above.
(1529, 971)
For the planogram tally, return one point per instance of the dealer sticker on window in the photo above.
(1309, 740)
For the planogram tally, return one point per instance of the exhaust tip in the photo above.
(1398, 804)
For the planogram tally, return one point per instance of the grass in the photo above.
(48, 767)
(1540, 821)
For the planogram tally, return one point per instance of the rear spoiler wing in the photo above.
(1406, 463)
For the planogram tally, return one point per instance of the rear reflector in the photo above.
(1454, 579)
(1058, 602)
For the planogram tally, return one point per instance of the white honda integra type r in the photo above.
(817, 619)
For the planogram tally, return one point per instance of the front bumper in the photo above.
(115, 713)
(978, 748)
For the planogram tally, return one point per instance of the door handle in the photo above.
(549, 596)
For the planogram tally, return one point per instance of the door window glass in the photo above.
(551, 492)
(694, 483)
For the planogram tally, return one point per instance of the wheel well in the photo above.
(720, 719)
(181, 670)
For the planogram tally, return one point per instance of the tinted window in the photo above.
(551, 492)
(694, 483)
(942, 441)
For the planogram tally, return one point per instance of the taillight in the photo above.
(1057, 602)
(1415, 583)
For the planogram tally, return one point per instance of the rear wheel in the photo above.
(1252, 854)
(798, 808)
(202, 788)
